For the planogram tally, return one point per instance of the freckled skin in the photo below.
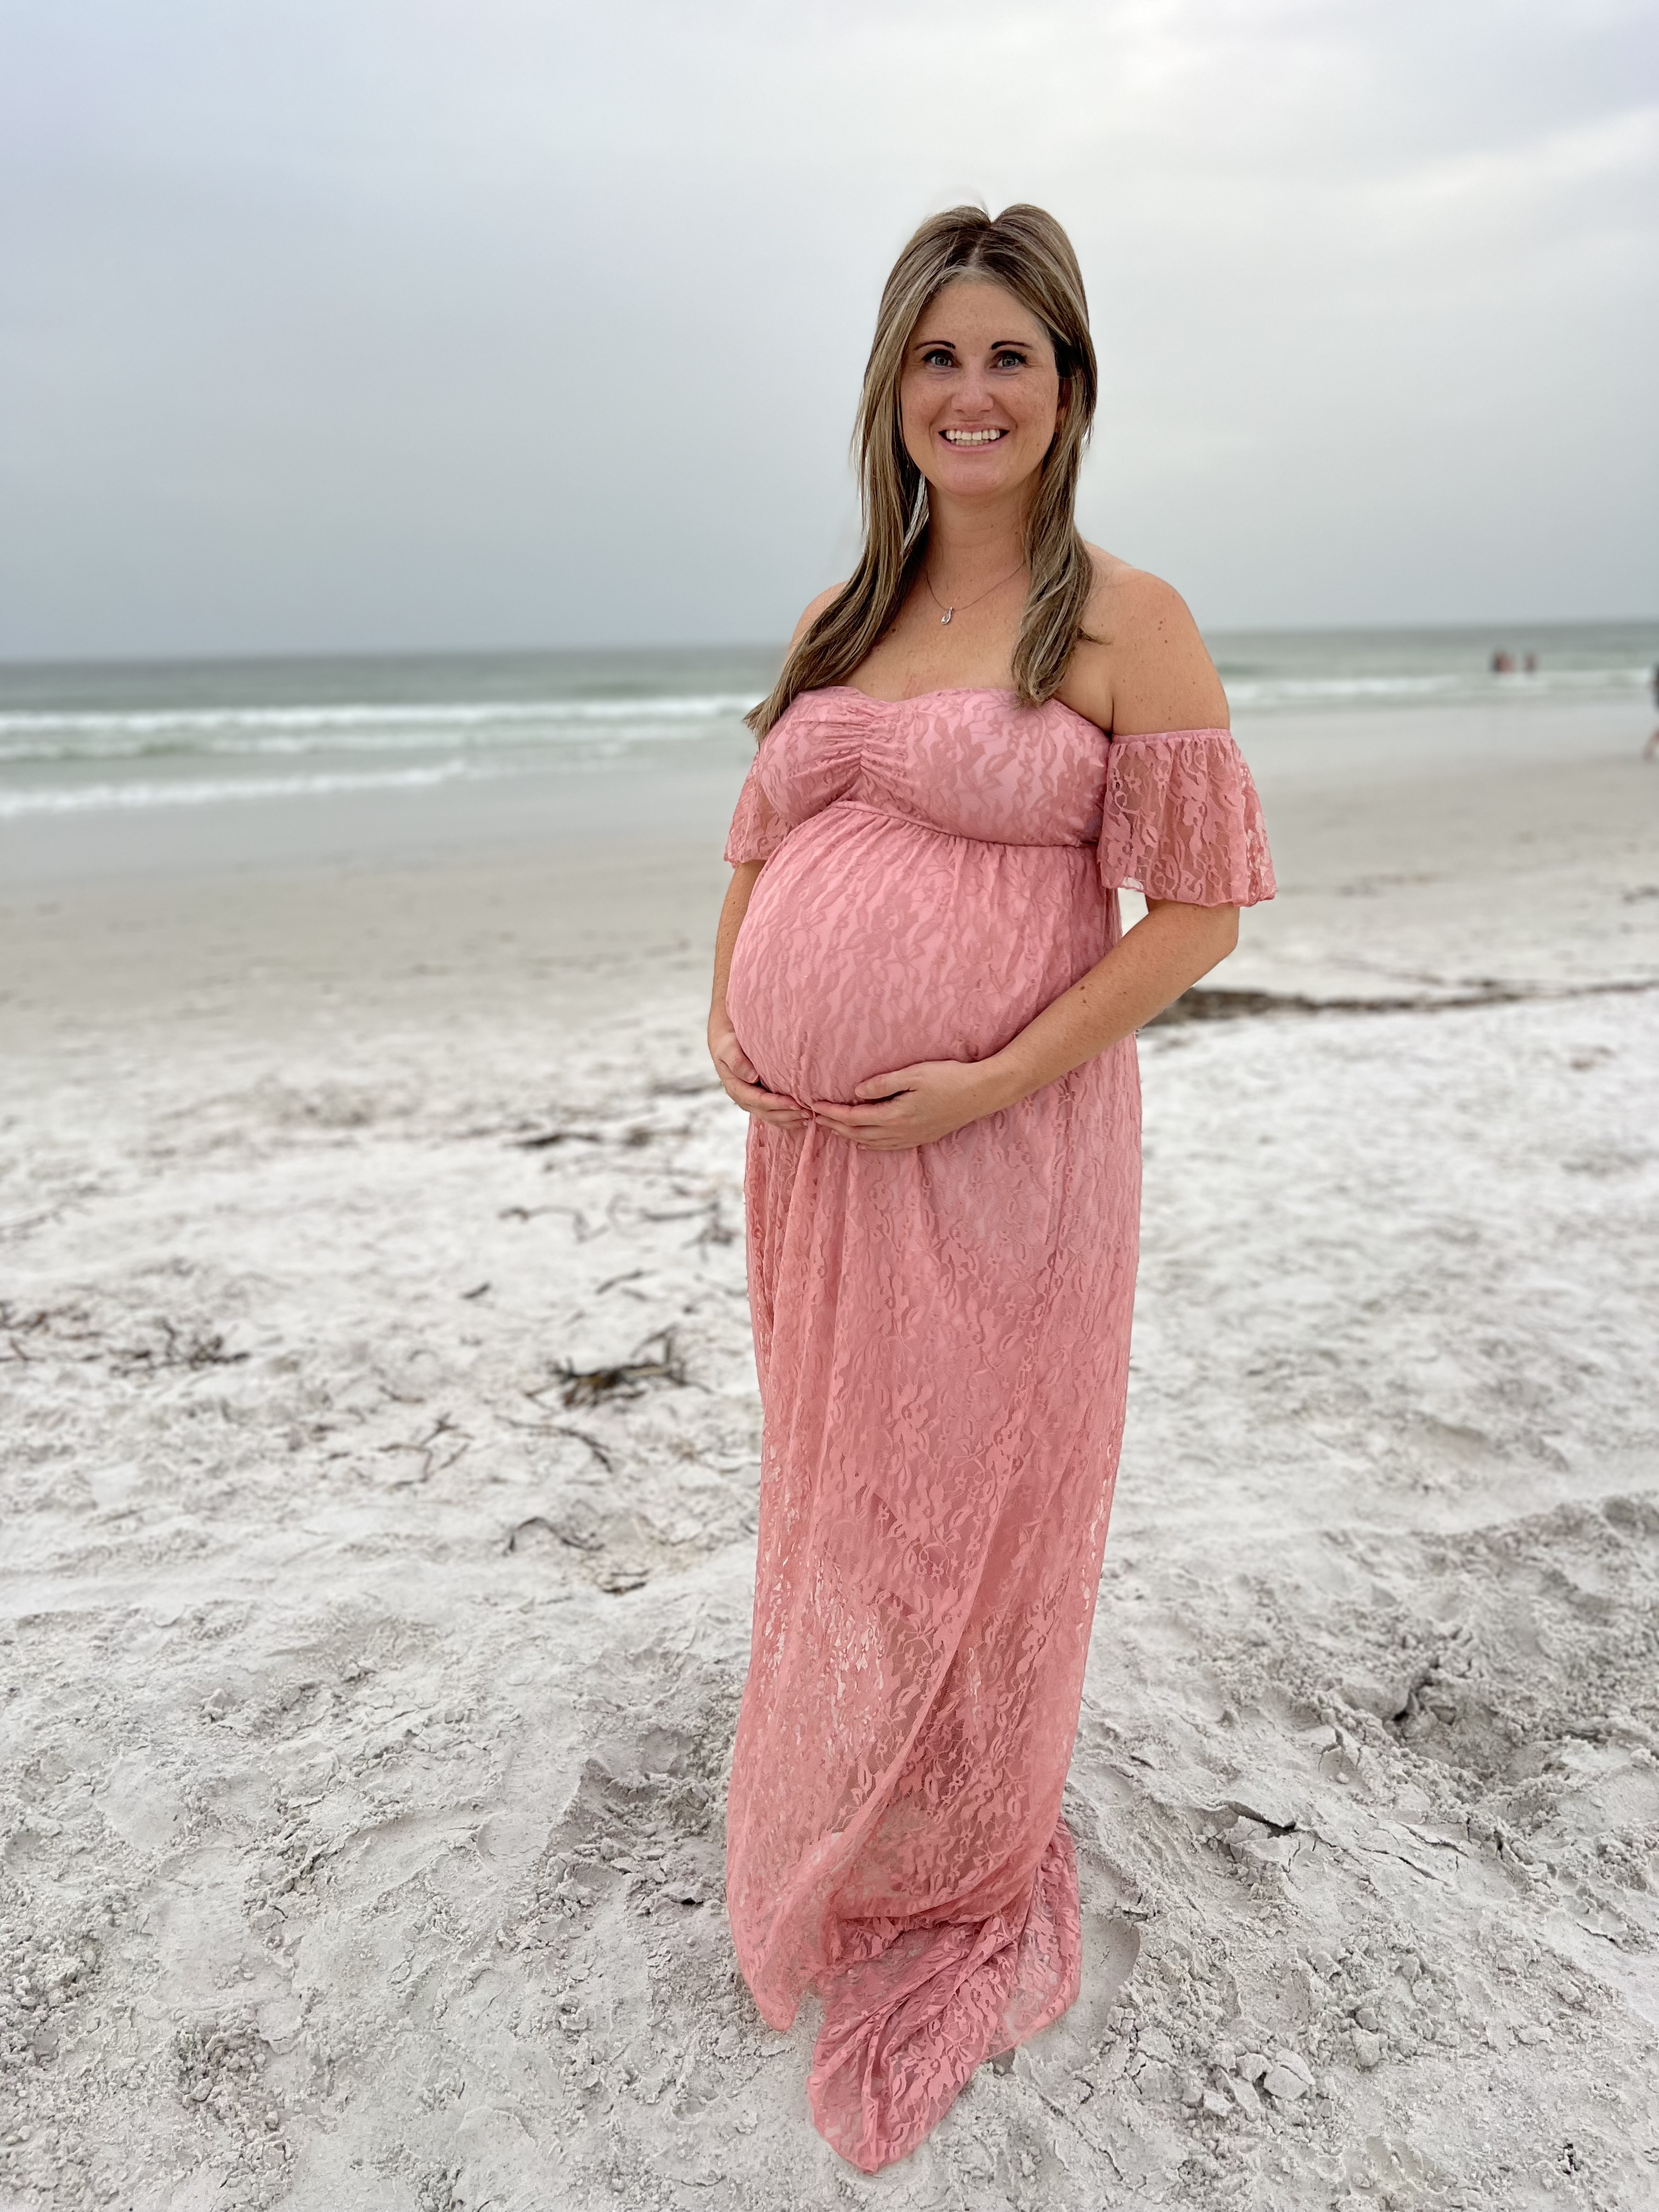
(980, 361)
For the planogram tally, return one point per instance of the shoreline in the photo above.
(1424, 870)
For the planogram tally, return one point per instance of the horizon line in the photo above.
(251, 656)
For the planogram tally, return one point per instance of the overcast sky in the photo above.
(330, 324)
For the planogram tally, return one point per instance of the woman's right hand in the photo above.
(740, 1080)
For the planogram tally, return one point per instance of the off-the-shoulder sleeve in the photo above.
(757, 829)
(1182, 821)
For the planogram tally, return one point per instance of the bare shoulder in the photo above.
(814, 609)
(1145, 654)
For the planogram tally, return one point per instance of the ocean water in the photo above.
(112, 737)
(1280, 671)
(106, 765)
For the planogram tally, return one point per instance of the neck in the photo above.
(970, 539)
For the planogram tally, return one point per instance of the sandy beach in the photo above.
(380, 1463)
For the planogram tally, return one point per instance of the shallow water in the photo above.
(111, 770)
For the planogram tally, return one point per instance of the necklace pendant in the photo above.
(945, 616)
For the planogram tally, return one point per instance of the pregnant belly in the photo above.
(872, 942)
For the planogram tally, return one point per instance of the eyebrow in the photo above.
(997, 345)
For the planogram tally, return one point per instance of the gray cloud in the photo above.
(411, 322)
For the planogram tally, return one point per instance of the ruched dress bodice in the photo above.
(938, 884)
(942, 1341)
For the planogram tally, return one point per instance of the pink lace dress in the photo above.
(942, 1337)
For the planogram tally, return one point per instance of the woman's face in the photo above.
(979, 393)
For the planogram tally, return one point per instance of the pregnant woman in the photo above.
(923, 1000)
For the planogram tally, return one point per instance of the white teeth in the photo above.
(973, 437)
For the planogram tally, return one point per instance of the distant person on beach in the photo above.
(1650, 750)
(1503, 663)
(926, 1002)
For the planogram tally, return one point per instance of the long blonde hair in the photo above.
(1025, 249)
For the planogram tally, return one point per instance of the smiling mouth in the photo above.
(972, 437)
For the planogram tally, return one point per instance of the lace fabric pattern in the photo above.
(942, 1341)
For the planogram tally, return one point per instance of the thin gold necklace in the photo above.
(949, 610)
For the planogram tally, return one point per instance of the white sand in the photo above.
(367, 1707)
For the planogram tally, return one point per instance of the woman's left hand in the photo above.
(913, 1106)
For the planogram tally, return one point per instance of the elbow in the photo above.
(1206, 934)
(1217, 937)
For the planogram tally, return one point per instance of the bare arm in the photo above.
(1158, 959)
(738, 893)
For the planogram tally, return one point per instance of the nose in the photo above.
(973, 395)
